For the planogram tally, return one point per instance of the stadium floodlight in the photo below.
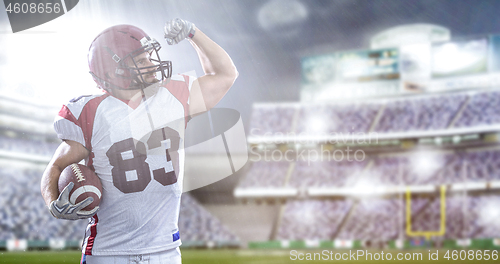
(316, 124)
(425, 164)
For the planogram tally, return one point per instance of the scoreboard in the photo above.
(411, 68)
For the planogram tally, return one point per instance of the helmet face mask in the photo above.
(162, 70)
(124, 57)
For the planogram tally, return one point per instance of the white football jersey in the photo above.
(138, 155)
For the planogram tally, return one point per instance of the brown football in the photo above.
(87, 184)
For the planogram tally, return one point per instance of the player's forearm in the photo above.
(214, 59)
(49, 182)
(67, 153)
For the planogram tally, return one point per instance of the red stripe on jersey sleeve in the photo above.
(86, 119)
(66, 114)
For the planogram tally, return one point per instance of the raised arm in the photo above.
(67, 153)
(220, 72)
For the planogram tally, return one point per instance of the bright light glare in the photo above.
(305, 215)
(316, 124)
(367, 184)
(489, 212)
(49, 63)
(425, 164)
(450, 58)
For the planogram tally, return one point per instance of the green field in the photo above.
(241, 256)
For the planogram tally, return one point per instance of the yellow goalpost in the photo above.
(426, 234)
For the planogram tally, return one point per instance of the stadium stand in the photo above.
(372, 219)
(312, 219)
(325, 173)
(446, 111)
(28, 146)
(420, 114)
(482, 216)
(412, 168)
(382, 218)
(197, 224)
(266, 175)
(24, 214)
(345, 118)
(272, 120)
(482, 109)
(483, 165)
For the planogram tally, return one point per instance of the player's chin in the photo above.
(148, 81)
(151, 79)
(154, 80)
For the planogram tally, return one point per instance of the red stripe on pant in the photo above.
(93, 233)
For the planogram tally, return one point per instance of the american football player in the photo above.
(132, 135)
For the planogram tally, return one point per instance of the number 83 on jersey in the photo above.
(133, 160)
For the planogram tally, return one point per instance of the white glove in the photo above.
(177, 30)
(62, 208)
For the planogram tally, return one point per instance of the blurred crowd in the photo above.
(390, 115)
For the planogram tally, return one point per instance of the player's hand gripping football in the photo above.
(177, 30)
(62, 208)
